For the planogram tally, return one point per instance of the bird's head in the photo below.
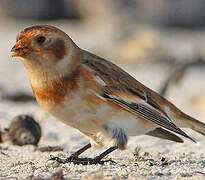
(43, 47)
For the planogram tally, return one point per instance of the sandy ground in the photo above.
(156, 158)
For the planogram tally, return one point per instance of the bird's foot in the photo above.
(84, 161)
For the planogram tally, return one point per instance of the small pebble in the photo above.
(52, 164)
(24, 130)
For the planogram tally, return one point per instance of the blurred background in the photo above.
(161, 43)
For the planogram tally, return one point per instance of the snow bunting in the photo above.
(93, 95)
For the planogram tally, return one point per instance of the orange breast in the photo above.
(56, 90)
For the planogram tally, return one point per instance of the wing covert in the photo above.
(148, 113)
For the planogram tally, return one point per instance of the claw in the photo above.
(76, 160)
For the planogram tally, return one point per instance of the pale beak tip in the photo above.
(13, 54)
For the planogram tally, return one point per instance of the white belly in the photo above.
(90, 120)
(77, 114)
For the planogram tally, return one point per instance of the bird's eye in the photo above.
(40, 39)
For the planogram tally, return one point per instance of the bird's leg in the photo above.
(85, 161)
(74, 156)
(97, 159)
(80, 151)
(105, 153)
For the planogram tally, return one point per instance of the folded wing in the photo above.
(147, 112)
(120, 88)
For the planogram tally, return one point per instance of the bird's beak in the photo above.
(18, 49)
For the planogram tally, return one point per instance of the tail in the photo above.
(194, 124)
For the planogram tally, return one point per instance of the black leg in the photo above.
(81, 150)
(105, 153)
(85, 161)
(97, 159)
(73, 156)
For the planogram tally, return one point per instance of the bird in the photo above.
(95, 96)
